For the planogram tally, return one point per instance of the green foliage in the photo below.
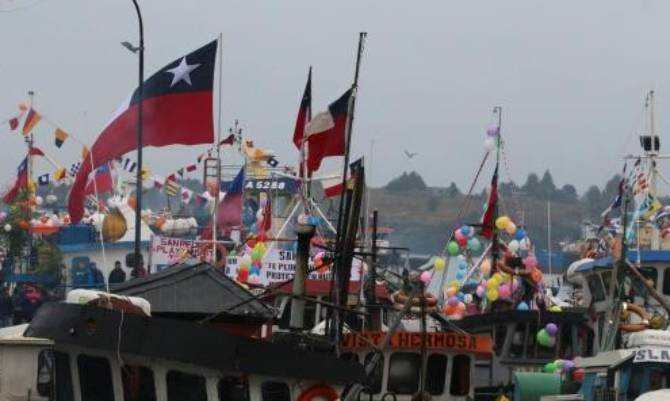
(16, 239)
(407, 182)
(49, 257)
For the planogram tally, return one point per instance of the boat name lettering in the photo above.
(652, 355)
(435, 341)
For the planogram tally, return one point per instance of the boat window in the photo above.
(666, 281)
(635, 383)
(233, 388)
(64, 390)
(607, 280)
(516, 348)
(95, 378)
(275, 391)
(45, 373)
(376, 378)
(185, 387)
(436, 372)
(657, 379)
(403, 376)
(460, 375)
(138, 383)
(349, 356)
(501, 333)
(596, 288)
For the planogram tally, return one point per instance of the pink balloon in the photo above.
(458, 235)
(504, 291)
(530, 261)
(480, 291)
(425, 277)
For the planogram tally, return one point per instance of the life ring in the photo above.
(400, 299)
(221, 250)
(320, 391)
(634, 327)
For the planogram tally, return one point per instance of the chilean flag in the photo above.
(326, 133)
(304, 114)
(229, 213)
(488, 218)
(177, 109)
(101, 182)
(20, 182)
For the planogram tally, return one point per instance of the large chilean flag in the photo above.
(177, 109)
(326, 133)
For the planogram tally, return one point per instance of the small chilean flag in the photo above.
(101, 182)
(304, 114)
(326, 133)
(177, 104)
(20, 182)
(332, 186)
(489, 215)
(229, 213)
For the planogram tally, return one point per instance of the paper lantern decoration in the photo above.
(114, 226)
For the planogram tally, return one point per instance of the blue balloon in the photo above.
(462, 265)
(522, 306)
(460, 296)
(465, 230)
(314, 220)
(520, 234)
(460, 275)
(254, 270)
(253, 228)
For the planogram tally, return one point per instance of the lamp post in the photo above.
(140, 93)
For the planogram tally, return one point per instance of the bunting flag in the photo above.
(85, 152)
(20, 181)
(180, 172)
(229, 140)
(59, 174)
(186, 195)
(13, 123)
(177, 103)
(171, 188)
(74, 168)
(191, 168)
(59, 137)
(32, 119)
(304, 113)
(102, 181)
(326, 132)
(35, 151)
(43, 180)
(489, 215)
(272, 162)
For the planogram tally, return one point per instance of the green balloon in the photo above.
(453, 248)
(550, 367)
(543, 338)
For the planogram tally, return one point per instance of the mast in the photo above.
(29, 166)
(341, 219)
(494, 243)
(549, 235)
(218, 151)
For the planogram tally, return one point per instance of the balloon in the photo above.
(520, 234)
(513, 245)
(502, 222)
(468, 298)
(511, 228)
(504, 291)
(453, 301)
(543, 338)
(458, 235)
(474, 245)
(480, 291)
(246, 260)
(555, 308)
(452, 248)
(522, 306)
(425, 277)
(451, 291)
(8, 227)
(492, 284)
(559, 363)
(552, 342)
(489, 144)
(439, 264)
(465, 230)
(460, 275)
(578, 374)
(524, 244)
(530, 261)
(552, 329)
(550, 367)
(485, 267)
(232, 253)
(460, 307)
(493, 131)
(462, 264)
(449, 309)
(568, 365)
(462, 241)
(492, 294)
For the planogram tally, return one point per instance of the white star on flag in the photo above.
(182, 72)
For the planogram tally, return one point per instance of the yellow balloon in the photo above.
(555, 308)
(439, 264)
(491, 284)
(455, 283)
(511, 228)
(502, 222)
(492, 294)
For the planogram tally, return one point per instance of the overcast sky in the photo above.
(571, 76)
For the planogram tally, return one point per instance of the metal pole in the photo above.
(305, 233)
(29, 173)
(219, 128)
(140, 124)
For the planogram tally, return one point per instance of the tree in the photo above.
(407, 182)
(453, 191)
(547, 187)
(592, 198)
(532, 186)
(567, 194)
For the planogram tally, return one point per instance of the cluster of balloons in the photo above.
(464, 238)
(492, 134)
(252, 263)
(560, 366)
(546, 337)
(498, 286)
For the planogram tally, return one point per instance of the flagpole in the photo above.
(494, 244)
(340, 219)
(140, 123)
(29, 166)
(303, 148)
(218, 151)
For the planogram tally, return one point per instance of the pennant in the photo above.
(59, 137)
(177, 102)
(272, 162)
(59, 174)
(191, 168)
(129, 165)
(304, 113)
(74, 168)
(32, 119)
(332, 186)
(35, 151)
(230, 140)
(186, 195)
(326, 132)
(180, 172)
(85, 152)
(171, 188)
(489, 215)
(13, 123)
(43, 180)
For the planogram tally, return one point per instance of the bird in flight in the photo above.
(410, 154)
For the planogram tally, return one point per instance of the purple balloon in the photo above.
(492, 131)
(552, 329)
(453, 301)
(568, 365)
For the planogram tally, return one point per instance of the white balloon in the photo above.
(468, 299)
(524, 244)
(8, 227)
(513, 245)
(39, 200)
(489, 144)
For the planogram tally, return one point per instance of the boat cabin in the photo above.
(446, 371)
(625, 374)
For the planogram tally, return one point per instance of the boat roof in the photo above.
(646, 256)
(607, 359)
(186, 342)
(570, 316)
(14, 335)
(195, 289)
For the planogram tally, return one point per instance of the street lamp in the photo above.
(140, 92)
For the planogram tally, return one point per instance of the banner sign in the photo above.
(278, 265)
(278, 184)
(656, 355)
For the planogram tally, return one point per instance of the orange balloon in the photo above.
(132, 202)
